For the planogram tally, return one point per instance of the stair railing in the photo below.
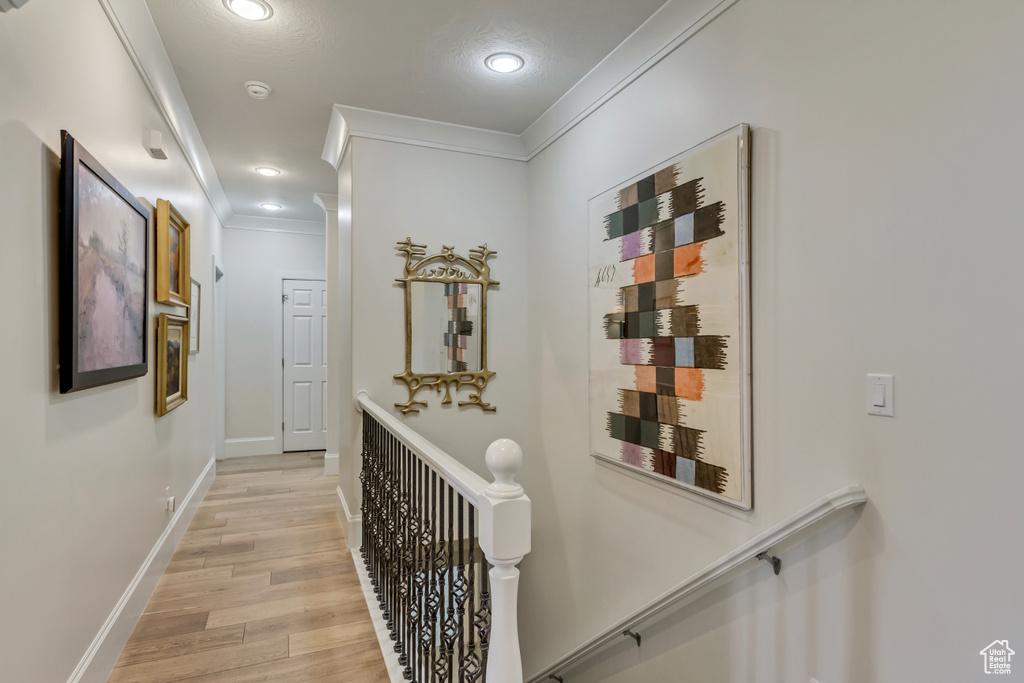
(441, 546)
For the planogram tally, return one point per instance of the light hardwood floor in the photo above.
(261, 588)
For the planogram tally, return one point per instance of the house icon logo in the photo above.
(997, 657)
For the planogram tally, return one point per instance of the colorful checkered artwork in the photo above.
(669, 321)
(460, 327)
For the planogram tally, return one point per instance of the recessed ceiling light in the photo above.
(271, 207)
(267, 171)
(253, 10)
(504, 62)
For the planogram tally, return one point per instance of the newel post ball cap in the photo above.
(504, 459)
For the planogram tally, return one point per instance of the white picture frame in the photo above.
(193, 318)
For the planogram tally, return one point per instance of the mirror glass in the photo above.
(445, 327)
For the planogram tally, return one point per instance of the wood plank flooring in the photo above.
(261, 588)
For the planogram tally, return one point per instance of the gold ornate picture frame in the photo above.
(171, 362)
(458, 274)
(173, 271)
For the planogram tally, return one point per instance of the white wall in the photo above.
(885, 238)
(437, 198)
(254, 262)
(83, 475)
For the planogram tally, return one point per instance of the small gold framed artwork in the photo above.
(171, 363)
(173, 276)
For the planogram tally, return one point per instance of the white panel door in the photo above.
(305, 365)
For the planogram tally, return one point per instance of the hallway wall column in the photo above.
(341, 423)
(335, 330)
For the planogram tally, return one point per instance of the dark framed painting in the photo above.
(173, 271)
(104, 244)
(172, 363)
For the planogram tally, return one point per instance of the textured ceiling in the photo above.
(416, 58)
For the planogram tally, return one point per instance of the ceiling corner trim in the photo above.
(327, 202)
(672, 25)
(337, 138)
(349, 122)
(135, 28)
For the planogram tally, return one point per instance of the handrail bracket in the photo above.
(775, 561)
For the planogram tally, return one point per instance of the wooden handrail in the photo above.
(745, 556)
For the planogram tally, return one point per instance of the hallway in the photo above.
(261, 588)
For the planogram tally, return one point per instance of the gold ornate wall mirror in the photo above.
(445, 323)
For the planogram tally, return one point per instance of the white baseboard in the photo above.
(353, 523)
(387, 646)
(99, 660)
(330, 464)
(260, 445)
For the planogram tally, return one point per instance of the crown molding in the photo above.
(135, 28)
(266, 224)
(672, 25)
(354, 122)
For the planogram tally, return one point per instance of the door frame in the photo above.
(279, 277)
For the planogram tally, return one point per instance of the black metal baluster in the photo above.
(426, 543)
(382, 528)
(389, 549)
(389, 571)
(398, 549)
(394, 547)
(375, 493)
(378, 505)
(404, 580)
(416, 608)
(472, 665)
(438, 596)
(425, 534)
(362, 483)
(460, 588)
(448, 615)
(414, 544)
(483, 615)
(432, 595)
(372, 509)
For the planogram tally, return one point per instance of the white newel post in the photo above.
(505, 539)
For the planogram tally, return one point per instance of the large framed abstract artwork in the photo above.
(104, 244)
(670, 321)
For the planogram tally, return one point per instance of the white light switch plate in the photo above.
(879, 395)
